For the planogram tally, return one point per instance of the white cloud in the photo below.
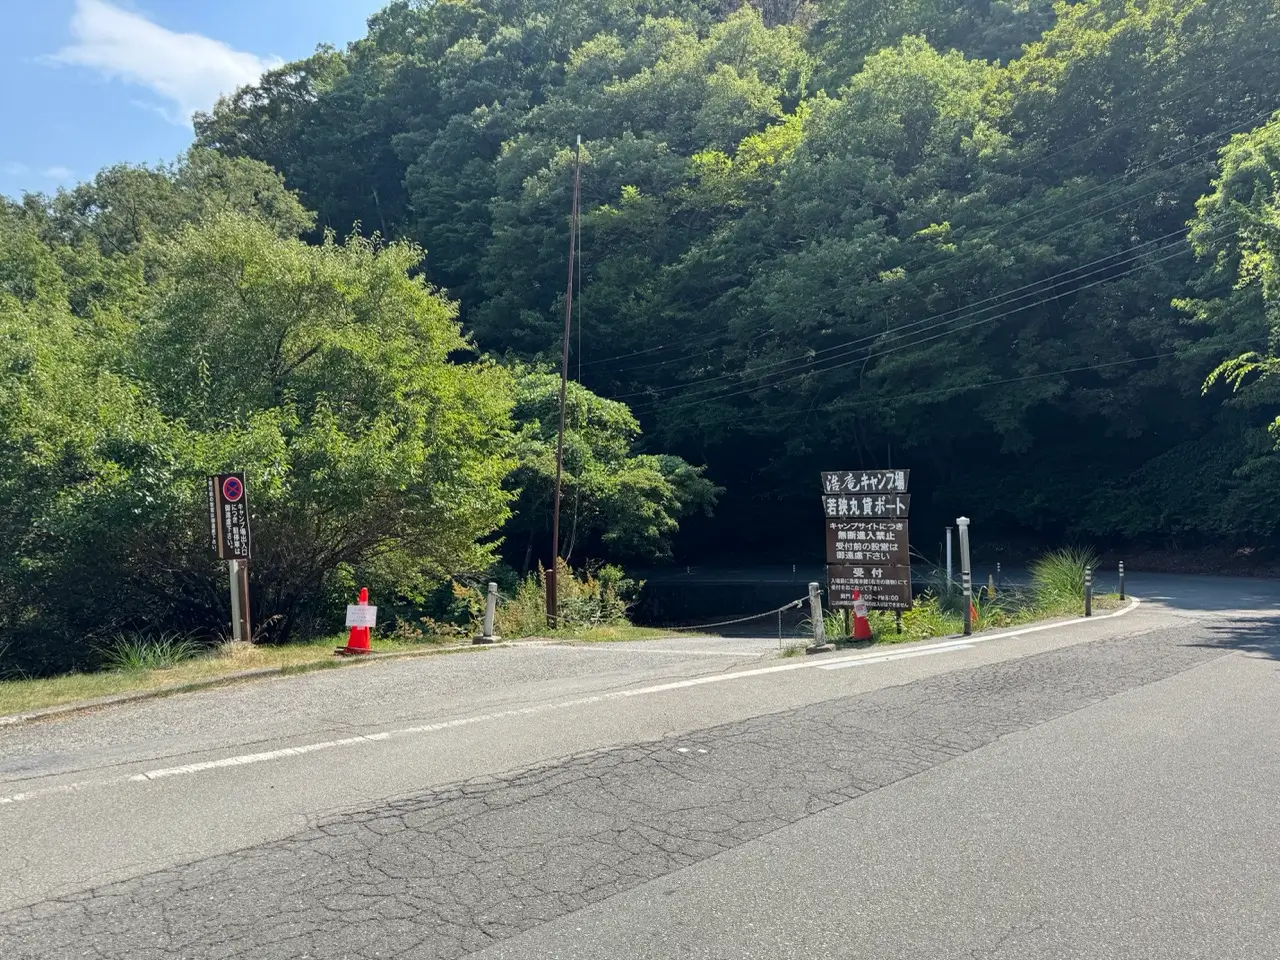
(186, 69)
(58, 173)
(13, 169)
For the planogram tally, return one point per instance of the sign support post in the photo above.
(242, 588)
(229, 526)
(237, 628)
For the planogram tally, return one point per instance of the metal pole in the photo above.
(950, 578)
(779, 629)
(898, 619)
(1122, 596)
(1088, 591)
(246, 626)
(233, 570)
(997, 576)
(553, 607)
(966, 574)
(815, 614)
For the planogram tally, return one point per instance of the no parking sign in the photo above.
(229, 516)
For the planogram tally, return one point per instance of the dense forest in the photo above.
(1028, 250)
(950, 236)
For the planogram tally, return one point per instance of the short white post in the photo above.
(490, 611)
(966, 574)
(815, 613)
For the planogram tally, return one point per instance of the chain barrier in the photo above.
(729, 623)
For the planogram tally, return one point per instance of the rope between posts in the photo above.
(759, 616)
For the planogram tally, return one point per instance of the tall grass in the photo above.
(1057, 578)
(139, 652)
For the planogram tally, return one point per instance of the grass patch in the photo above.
(19, 696)
(137, 653)
(1057, 578)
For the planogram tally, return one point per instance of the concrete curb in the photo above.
(83, 706)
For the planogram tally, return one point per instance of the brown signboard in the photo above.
(229, 516)
(865, 481)
(878, 506)
(882, 587)
(879, 542)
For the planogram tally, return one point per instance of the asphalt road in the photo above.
(1102, 789)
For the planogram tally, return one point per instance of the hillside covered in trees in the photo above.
(951, 236)
(1028, 250)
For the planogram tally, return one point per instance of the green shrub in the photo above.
(595, 597)
(1057, 578)
(139, 652)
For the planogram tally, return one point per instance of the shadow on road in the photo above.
(1259, 636)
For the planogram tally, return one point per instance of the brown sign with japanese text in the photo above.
(882, 587)
(229, 516)
(882, 542)
(865, 481)
(892, 506)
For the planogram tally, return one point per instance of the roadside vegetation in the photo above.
(1056, 591)
(1026, 248)
(594, 606)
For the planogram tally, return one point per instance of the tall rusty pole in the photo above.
(553, 607)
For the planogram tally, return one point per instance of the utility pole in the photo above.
(553, 606)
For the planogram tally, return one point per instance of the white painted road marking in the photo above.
(856, 660)
(908, 655)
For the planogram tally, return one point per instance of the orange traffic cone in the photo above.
(861, 625)
(358, 639)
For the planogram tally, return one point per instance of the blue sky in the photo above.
(88, 83)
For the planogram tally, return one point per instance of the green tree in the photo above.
(627, 503)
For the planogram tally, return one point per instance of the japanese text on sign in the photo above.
(866, 481)
(893, 507)
(882, 587)
(229, 516)
(868, 541)
(362, 615)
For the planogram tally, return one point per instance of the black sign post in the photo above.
(868, 540)
(229, 525)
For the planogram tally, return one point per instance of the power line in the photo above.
(959, 312)
(948, 391)
(696, 391)
(680, 403)
(1078, 201)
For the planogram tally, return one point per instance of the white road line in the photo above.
(601, 648)
(247, 758)
(896, 656)
(856, 660)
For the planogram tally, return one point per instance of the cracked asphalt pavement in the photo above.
(1103, 789)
